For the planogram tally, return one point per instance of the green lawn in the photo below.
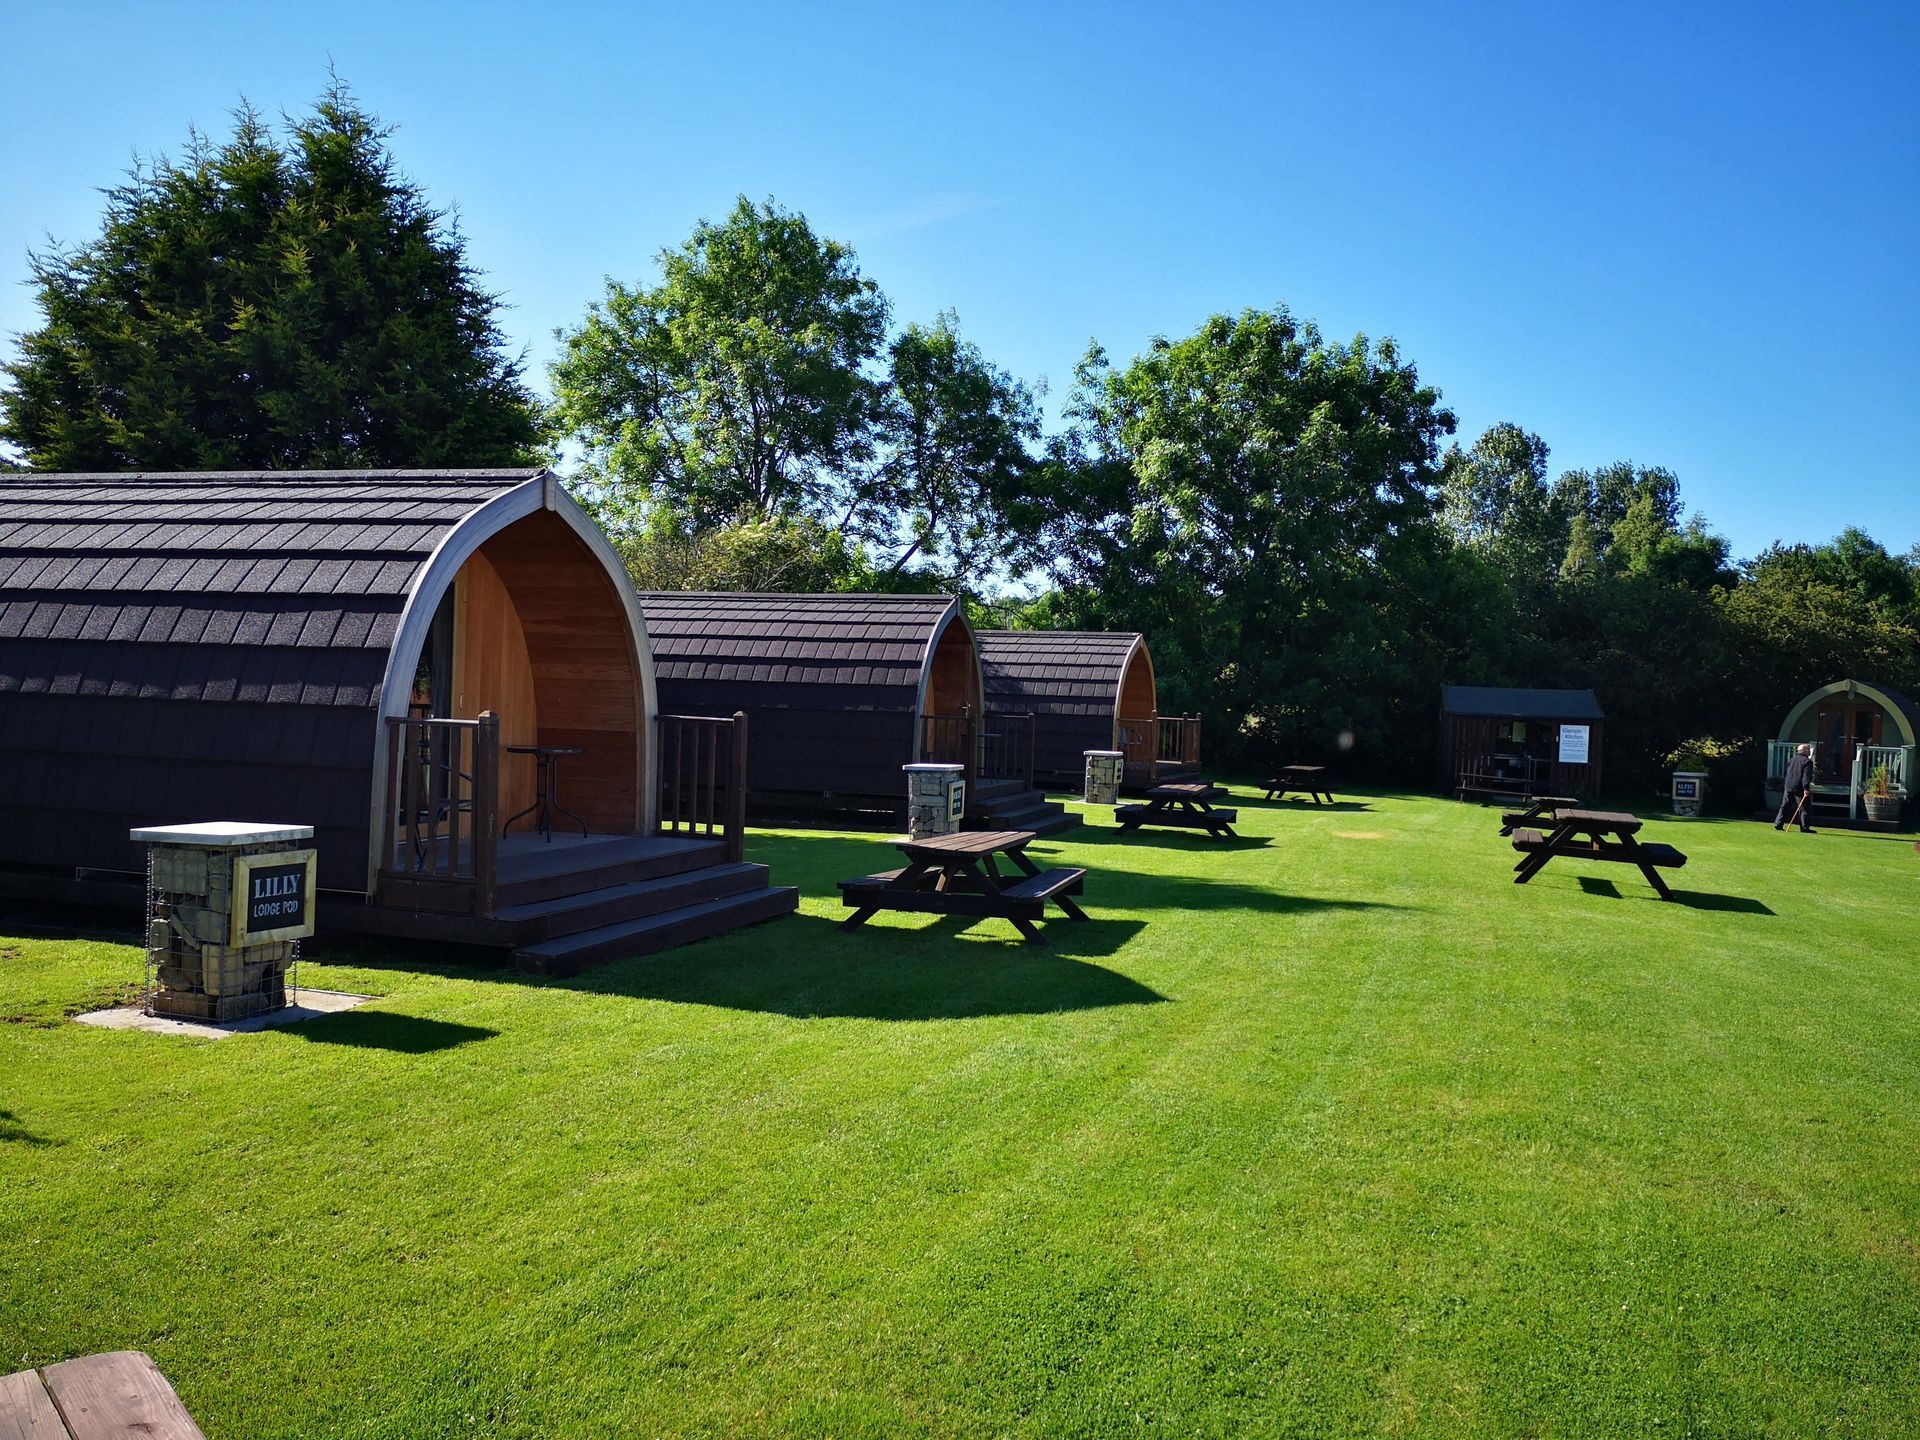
(1336, 1132)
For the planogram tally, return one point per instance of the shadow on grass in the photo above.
(1295, 802)
(897, 967)
(918, 971)
(1165, 839)
(1693, 899)
(11, 1130)
(381, 1030)
(1734, 904)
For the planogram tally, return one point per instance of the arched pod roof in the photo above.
(219, 645)
(1072, 682)
(833, 685)
(1904, 713)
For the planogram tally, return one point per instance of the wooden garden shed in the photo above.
(841, 691)
(1088, 690)
(1503, 740)
(361, 651)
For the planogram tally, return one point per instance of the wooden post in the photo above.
(410, 801)
(737, 793)
(969, 750)
(486, 814)
(713, 788)
(390, 823)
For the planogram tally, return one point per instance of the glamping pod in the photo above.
(1497, 740)
(1854, 727)
(1088, 690)
(841, 691)
(408, 661)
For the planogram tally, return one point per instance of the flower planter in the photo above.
(1883, 809)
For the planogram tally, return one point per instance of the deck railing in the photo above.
(1779, 752)
(441, 848)
(952, 740)
(1179, 740)
(1140, 743)
(703, 779)
(1852, 776)
(1897, 758)
(1006, 747)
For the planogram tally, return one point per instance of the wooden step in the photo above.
(986, 790)
(622, 860)
(541, 920)
(1028, 810)
(570, 954)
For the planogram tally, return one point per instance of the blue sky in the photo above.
(1682, 235)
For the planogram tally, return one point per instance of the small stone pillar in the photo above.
(1689, 792)
(936, 799)
(227, 905)
(1104, 771)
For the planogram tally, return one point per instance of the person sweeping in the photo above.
(1799, 789)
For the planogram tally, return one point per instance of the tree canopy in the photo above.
(734, 389)
(1255, 497)
(277, 299)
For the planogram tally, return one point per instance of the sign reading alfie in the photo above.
(1573, 744)
(272, 897)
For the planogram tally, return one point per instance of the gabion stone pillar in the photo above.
(936, 799)
(1104, 769)
(227, 905)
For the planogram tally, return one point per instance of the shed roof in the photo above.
(1514, 703)
(758, 637)
(1056, 672)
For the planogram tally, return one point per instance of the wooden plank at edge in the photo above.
(26, 1411)
(117, 1395)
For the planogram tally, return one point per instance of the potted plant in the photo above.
(1883, 801)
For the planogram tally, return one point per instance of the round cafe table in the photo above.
(547, 782)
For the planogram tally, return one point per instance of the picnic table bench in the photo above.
(114, 1396)
(1187, 805)
(1594, 835)
(1489, 785)
(1308, 780)
(960, 875)
(1540, 807)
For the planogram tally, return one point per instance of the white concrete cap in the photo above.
(220, 832)
(930, 767)
(1109, 754)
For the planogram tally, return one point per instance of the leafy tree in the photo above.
(1252, 496)
(735, 389)
(789, 553)
(1495, 496)
(1604, 496)
(956, 465)
(270, 301)
(1690, 555)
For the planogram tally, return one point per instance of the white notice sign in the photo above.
(1573, 744)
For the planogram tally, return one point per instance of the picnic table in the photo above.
(97, 1397)
(1187, 805)
(1540, 807)
(1594, 835)
(1493, 785)
(1308, 780)
(960, 875)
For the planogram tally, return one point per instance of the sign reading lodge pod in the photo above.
(272, 897)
